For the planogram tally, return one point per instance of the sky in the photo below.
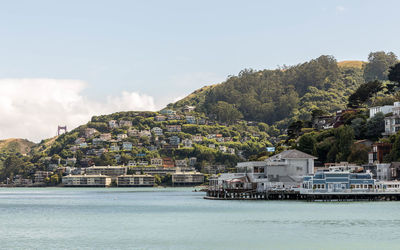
(62, 62)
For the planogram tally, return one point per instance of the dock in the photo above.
(253, 194)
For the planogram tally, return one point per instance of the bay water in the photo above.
(177, 218)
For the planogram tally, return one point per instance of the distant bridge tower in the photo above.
(61, 129)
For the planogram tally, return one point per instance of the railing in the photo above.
(349, 191)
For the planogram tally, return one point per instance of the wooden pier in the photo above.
(252, 194)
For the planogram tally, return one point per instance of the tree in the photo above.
(294, 129)
(344, 139)
(394, 77)
(359, 154)
(378, 65)
(358, 125)
(226, 112)
(307, 144)
(364, 93)
(11, 166)
(375, 126)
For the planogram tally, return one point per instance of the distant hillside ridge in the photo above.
(16, 145)
(351, 64)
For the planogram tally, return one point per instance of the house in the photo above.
(80, 140)
(174, 140)
(127, 145)
(339, 119)
(40, 176)
(168, 162)
(192, 161)
(143, 163)
(113, 124)
(181, 163)
(97, 141)
(114, 147)
(219, 139)
(174, 128)
(117, 158)
(168, 112)
(211, 136)
(214, 169)
(152, 148)
(132, 163)
(105, 137)
(156, 161)
(202, 121)
(160, 118)
(187, 143)
(197, 138)
(380, 109)
(190, 119)
(383, 171)
(395, 171)
(70, 161)
(379, 150)
(86, 181)
(188, 109)
(145, 133)
(120, 137)
(133, 132)
(392, 123)
(174, 117)
(73, 148)
(211, 146)
(124, 123)
(323, 122)
(187, 178)
(157, 131)
(135, 180)
(83, 145)
(89, 132)
(231, 151)
(223, 149)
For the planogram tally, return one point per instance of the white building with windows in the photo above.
(392, 123)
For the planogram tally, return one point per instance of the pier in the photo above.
(253, 194)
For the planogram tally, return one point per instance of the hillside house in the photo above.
(192, 161)
(392, 123)
(386, 109)
(145, 133)
(157, 131)
(378, 152)
(124, 123)
(83, 145)
(168, 112)
(121, 137)
(174, 140)
(187, 143)
(114, 147)
(168, 162)
(231, 151)
(70, 161)
(127, 145)
(156, 161)
(197, 138)
(174, 117)
(105, 137)
(113, 124)
(223, 149)
(160, 118)
(211, 146)
(188, 109)
(174, 128)
(89, 132)
(97, 142)
(80, 140)
(133, 132)
(181, 163)
(190, 119)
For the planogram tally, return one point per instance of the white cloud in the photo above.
(32, 108)
(340, 9)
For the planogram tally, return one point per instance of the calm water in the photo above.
(132, 218)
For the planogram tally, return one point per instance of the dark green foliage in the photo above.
(394, 77)
(307, 144)
(375, 126)
(364, 93)
(378, 65)
(226, 113)
(359, 154)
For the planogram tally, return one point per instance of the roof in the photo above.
(292, 154)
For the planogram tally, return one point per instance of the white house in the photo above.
(113, 124)
(157, 131)
(392, 123)
(380, 109)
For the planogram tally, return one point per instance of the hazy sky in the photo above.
(63, 61)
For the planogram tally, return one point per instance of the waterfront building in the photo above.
(112, 171)
(86, 181)
(383, 171)
(187, 178)
(379, 150)
(40, 176)
(135, 181)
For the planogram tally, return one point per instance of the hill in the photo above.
(16, 145)
(278, 97)
(351, 64)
